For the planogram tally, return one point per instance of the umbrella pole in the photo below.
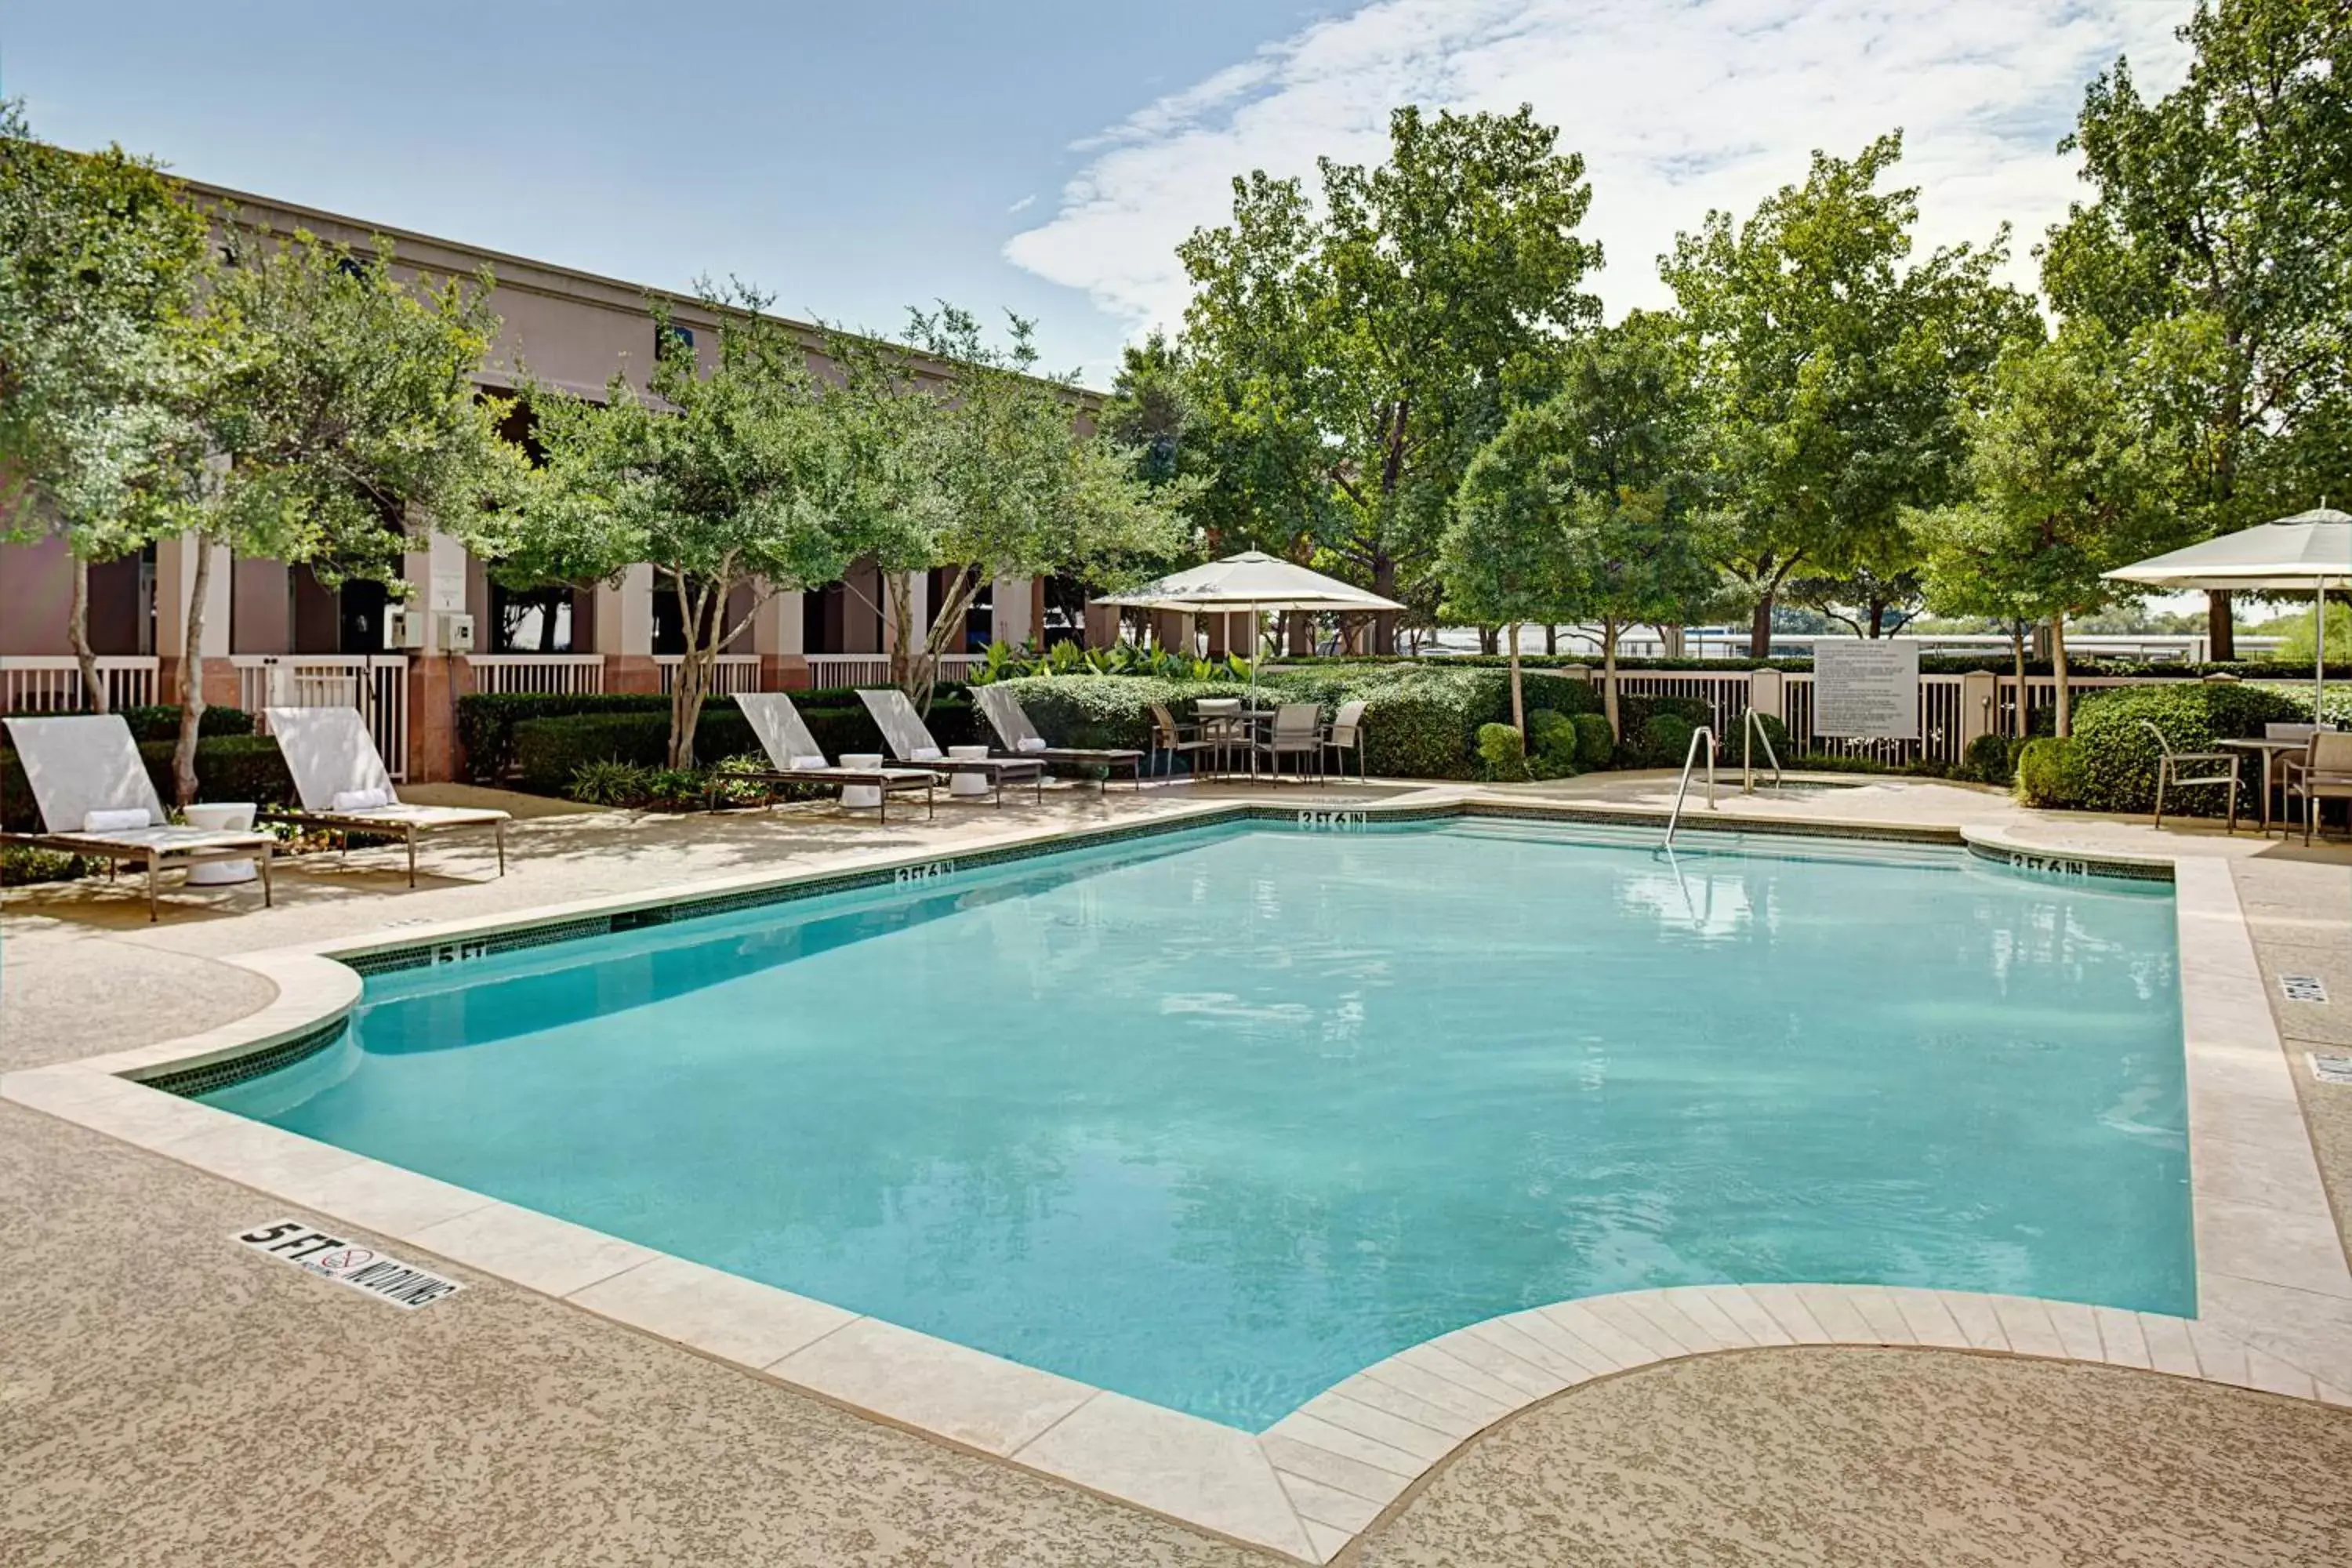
(2318, 656)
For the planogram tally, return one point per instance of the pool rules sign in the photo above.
(1866, 690)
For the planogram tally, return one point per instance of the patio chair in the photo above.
(798, 758)
(96, 800)
(1224, 726)
(1011, 722)
(2324, 772)
(346, 789)
(1298, 733)
(1345, 733)
(909, 739)
(2169, 766)
(1172, 740)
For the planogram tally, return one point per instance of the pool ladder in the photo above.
(1752, 730)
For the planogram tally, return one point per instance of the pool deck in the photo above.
(159, 1380)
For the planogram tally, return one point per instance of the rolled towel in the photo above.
(927, 753)
(1030, 743)
(116, 821)
(361, 799)
(808, 765)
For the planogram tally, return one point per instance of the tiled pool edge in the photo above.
(1314, 1479)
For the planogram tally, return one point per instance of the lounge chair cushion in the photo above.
(1030, 743)
(361, 799)
(807, 766)
(926, 754)
(116, 821)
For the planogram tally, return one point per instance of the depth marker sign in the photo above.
(351, 1263)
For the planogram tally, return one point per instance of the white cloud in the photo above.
(1024, 204)
(1677, 107)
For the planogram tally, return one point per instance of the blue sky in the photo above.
(1042, 157)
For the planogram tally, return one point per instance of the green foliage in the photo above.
(550, 753)
(1596, 744)
(488, 723)
(606, 782)
(1738, 742)
(678, 789)
(1348, 355)
(2119, 756)
(21, 864)
(1665, 740)
(160, 722)
(1552, 731)
(1502, 754)
(2053, 773)
(1991, 759)
(1005, 662)
(1833, 363)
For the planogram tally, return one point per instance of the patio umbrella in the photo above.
(1255, 582)
(2308, 553)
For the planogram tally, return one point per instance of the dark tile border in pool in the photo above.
(190, 1082)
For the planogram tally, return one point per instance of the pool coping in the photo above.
(2275, 1296)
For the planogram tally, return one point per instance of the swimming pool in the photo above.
(1216, 1118)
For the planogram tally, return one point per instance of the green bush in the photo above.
(606, 782)
(678, 789)
(2119, 756)
(160, 722)
(1502, 754)
(487, 722)
(21, 864)
(1666, 740)
(548, 752)
(1595, 745)
(1552, 734)
(1991, 759)
(1739, 742)
(2053, 773)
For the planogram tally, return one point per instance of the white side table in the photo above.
(861, 794)
(973, 782)
(221, 816)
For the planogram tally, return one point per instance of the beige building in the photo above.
(274, 633)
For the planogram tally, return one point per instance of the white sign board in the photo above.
(351, 1263)
(1866, 690)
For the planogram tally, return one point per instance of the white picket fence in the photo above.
(375, 684)
(828, 670)
(538, 674)
(733, 672)
(52, 683)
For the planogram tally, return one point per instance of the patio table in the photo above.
(2268, 748)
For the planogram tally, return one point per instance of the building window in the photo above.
(673, 340)
(531, 620)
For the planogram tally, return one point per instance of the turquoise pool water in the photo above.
(1218, 1118)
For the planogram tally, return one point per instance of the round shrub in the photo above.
(1595, 745)
(2053, 773)
(1552, 734)
(1502, 754)
(1738, 742)
(2119, 756)
(1992, 759)
(1666, 740)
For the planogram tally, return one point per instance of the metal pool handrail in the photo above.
(1752, 730)
(1674, 817)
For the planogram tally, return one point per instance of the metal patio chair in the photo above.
(2168, 775)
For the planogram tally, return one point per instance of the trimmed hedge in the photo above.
(548, 752)
(228, 767)
(2119, 756)
(487, 721)
(2053, 773)
(160, 722)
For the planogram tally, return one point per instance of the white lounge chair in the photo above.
(798, 758)
(96, 800)
(909, 739)
(1021, 739)
(346, 789)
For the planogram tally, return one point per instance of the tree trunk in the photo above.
(1384, 622)
(693, 676)
(2017, 646)
(1759, 625)
(1518, 697)
(93, 689)
(2221, 628)
(1490, 640)
(2058, 670)
(1608, 676)
(1552, 640)
(192, 678)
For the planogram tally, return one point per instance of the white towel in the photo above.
(927, 753)
(1030, 743)
(361, 799)
(115, 821)
(807, 766)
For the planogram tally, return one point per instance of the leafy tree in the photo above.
(1354, 357)
(1581, 509)
(1838, 369)
(2067, 481)
(2220, 244)
(997, 478)
(332, 410)
(746, 477)
(99, 259)
(1867, 600)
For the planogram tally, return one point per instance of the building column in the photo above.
(175, 572)
(436, 578)
(777, 637)
(625, 631)
(1009, 606)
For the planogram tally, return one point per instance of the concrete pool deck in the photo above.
(81, 976)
